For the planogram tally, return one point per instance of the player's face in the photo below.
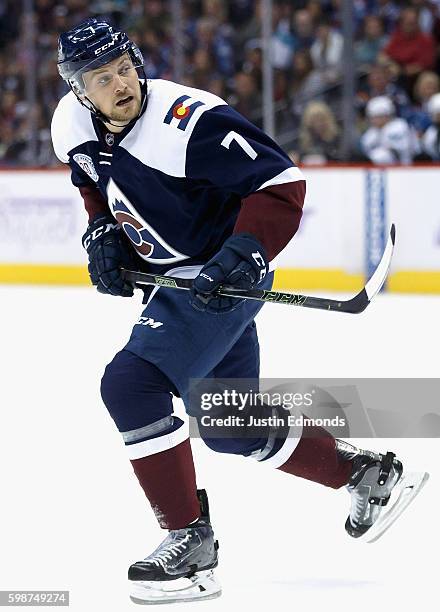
(115, 89)
(379, 121)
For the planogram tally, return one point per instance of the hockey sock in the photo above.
(138, 397)
(315, 458)
(169, 482)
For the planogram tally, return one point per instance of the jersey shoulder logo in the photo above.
(181, 111)
(85, 162)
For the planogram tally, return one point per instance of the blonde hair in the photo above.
(310, 113)
(427, 75)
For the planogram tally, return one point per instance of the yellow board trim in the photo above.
(17, 274)
(290, 278)
(406, 281)
(415, 281)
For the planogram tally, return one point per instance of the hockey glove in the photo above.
(108, 250)
(241, 263)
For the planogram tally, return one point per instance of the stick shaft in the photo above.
(355, 305)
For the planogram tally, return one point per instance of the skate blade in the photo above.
(203, 585)
(407, 489)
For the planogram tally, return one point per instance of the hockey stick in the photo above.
(355, 305)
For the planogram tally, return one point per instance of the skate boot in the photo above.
(181, 568)
(379, 491)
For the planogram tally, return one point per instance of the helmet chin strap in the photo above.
(100, 115)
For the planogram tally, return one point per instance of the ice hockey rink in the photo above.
(73, 516)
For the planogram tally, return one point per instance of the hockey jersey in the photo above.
(394, 143)
(431, 142)
(187, 174)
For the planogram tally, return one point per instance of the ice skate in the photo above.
(181, 568)
(380, 491)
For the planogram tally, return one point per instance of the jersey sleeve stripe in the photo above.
(289, 175)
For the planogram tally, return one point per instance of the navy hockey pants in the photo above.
(171, 344)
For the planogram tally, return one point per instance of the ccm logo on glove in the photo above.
(260, 261)
(96, 233)
(108, 251)
(240, 263)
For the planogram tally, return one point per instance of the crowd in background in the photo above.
(396, 55)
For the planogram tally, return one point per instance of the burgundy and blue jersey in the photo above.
(190, 172)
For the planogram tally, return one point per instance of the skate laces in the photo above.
(168, 550)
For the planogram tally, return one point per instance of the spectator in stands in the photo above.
(217, 86)
(246, 98)
(157, 53)
(389, 12)
(155, 14)
(305, 83)
(215, 38)
(239, 13)
(431, 138)
(319, 138)
(21, 144)
(315, 9)
(250, 32)
(13, 117)
(380, 83)
(221, 41)
(388, 140)
(427, 84)
(326, 52)
(371, 43)
(202, 68)
(409, 48)
(303, 30)
(418, 116)
(283, 40)
(426, 10)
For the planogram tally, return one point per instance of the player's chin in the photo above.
(128, 110)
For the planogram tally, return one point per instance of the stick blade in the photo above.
(360, 301)
(375, 284)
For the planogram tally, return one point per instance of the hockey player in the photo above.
(175, 181)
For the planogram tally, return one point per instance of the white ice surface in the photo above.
(72, 515)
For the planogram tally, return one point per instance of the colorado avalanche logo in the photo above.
(147, 242)
(133, 228)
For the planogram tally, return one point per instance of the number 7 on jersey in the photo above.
(242, 142)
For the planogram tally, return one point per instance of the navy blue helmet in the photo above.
(89, 45)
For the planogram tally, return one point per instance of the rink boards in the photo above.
(346, 219)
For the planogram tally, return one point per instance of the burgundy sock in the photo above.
(315, 458)
(169, 482)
